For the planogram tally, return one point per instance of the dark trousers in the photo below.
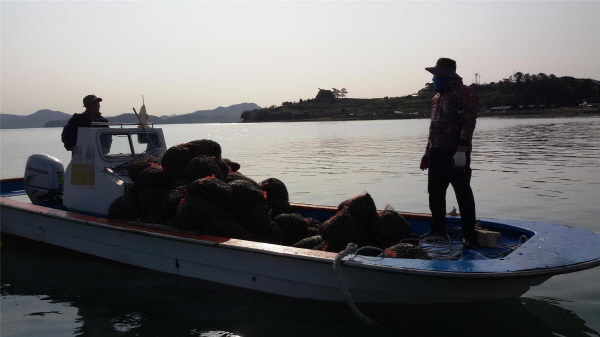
(441, 174)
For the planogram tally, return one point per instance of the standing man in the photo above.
(448, 152)
(84, 119)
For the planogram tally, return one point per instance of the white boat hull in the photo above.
(264, 267)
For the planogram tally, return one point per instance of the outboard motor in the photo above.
(43, 178)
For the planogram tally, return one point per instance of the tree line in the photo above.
(539, 91)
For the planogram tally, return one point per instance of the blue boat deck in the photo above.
(511, 237)
(526, 247)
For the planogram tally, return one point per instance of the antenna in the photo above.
(143, 127)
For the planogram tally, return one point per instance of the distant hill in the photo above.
(521, 91)
(35, 120)
(48, 118)
(230, 114)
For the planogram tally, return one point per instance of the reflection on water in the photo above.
(550, 153)
(565, 145)
(36, 315)
(91, 297)
(549, 170)
(532, 169)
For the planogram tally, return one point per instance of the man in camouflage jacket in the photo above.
(448, 152)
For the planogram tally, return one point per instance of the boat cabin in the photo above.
(97, 173)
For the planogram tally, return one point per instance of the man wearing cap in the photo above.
(84, 119)
(448, 152)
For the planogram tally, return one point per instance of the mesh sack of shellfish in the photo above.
(225, 228)
(309, 242)
(155, 176)
(277, 196)
(225, 169)
(213, 189)
(246, 193)
(329, 246)
(274, 189)
(205, 147)
(123, 208)
(406, 251)
(177, 184)
(361, 207)
(151, 176)
(133, 191)
(193, 213)
(389, 228)
(233, 176)
(343, 228)
(255, 218)
(150, 199)
(202, 166)
(233, 166)
(278, 206)
(311, 231)
(135, 167)
(169, 204)
(313, 223)
(176, 157)
(293, 226)
(271, 234)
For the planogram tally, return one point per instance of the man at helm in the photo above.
(84, 119)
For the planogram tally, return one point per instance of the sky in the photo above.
(184, 56)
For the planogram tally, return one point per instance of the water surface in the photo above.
(532, 169)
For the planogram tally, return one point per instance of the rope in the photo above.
(441, 248)
(507, 249)
(350, 249)
(381, 251)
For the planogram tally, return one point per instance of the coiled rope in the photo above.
(440, 248)
(503, 251)
(352, 248)
(443, 247)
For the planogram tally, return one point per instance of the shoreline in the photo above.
(571, 113)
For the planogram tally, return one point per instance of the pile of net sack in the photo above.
(193, 188)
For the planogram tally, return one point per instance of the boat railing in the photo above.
(151, 125)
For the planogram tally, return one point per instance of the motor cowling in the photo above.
(44, 178)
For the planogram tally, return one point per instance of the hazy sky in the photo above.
(185, 56)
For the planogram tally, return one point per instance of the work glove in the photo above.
(425, 161)
(460, 159)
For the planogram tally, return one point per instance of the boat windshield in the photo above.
(128, 144)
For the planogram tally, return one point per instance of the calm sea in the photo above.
(532, 169)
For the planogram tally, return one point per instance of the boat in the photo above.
(68, 208)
